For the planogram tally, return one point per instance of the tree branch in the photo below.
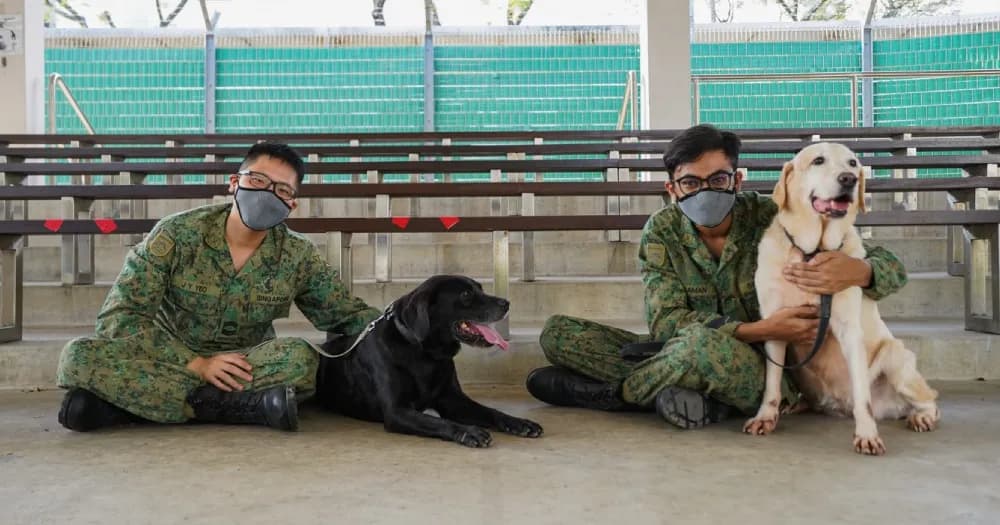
(67, 12)
(788, 9)
(516, 11)
(173, 15)
(377, 16)
(106, 18)
(159, 12)
(812, 12)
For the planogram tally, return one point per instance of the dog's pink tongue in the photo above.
(490, 335)
(840, 205)
(823, 205)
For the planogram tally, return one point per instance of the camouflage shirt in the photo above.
(181, 279)
(684, 284)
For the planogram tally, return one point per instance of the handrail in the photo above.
(848, 74)
(629, 101)
(55, 79)
(852, 76)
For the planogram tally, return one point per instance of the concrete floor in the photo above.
(588, 468)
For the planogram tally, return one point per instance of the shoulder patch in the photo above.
(655, 253)
(161, 245)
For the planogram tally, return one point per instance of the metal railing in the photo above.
(77, 253)
(853, 78)
(56, 80)
(630, 103)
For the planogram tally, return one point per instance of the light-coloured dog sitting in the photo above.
(861, 369)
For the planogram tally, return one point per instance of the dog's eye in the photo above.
(819, 161)
(465, 295)
(852, 163)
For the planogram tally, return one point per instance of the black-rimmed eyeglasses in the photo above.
(260, 181)
(718, 181)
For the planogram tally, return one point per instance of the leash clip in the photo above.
(369, 328)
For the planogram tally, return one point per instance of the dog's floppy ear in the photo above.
(413, 315)
(861, 189)
(780, 194)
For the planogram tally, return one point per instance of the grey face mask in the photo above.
(707, 208)
(260, 209)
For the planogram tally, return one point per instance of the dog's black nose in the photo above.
(504, 303)
(847, 179)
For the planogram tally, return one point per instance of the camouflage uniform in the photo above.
(694, 303)
(179, 296)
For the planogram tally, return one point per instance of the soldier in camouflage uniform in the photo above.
(698, 257)
(186, 330)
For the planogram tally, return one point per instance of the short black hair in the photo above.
(276, 150)
(695, 141)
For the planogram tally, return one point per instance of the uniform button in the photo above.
(229, 328)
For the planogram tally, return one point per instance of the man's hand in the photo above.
(795, 325)
(829, 273)
(222, 370)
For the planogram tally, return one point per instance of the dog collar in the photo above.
(807, 256)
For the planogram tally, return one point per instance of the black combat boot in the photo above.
(688, 409)
(274, 407)
(83, 411)
(562, 387)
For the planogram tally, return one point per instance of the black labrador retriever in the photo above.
(405, 365)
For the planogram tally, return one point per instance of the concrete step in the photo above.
(926, 295)
(586, 254)
(944, 351)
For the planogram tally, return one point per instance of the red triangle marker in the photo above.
(53, 225)
(401, 222)
(449, 222)
(106, 225)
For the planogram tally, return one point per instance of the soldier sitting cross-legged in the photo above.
(698, 257)
(186, 331)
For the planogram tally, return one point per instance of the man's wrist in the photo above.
(752, 332)
(867, 277)
(196, 364)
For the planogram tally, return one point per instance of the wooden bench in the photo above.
(619, 164)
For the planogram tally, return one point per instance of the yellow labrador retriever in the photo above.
(860, 369)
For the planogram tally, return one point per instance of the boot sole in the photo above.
(683, 408)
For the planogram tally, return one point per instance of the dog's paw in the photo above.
(519, 427)
(923, 421)
(474, 437)
(764, 422)
(760, 426)
(869, 446)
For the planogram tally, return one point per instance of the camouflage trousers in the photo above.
(146, 374)
(697, 358)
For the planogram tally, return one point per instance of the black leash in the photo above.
(825, 305)
(389, 314)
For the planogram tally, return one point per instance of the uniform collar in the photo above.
(267, 254)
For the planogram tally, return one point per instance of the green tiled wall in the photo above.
(131, 90)
(531, 87)
(949, 101)
(301, 89)
(321, 90)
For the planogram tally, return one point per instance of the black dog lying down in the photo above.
(405, 365)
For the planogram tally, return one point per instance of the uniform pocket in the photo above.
(265, 306)
(196, 302)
